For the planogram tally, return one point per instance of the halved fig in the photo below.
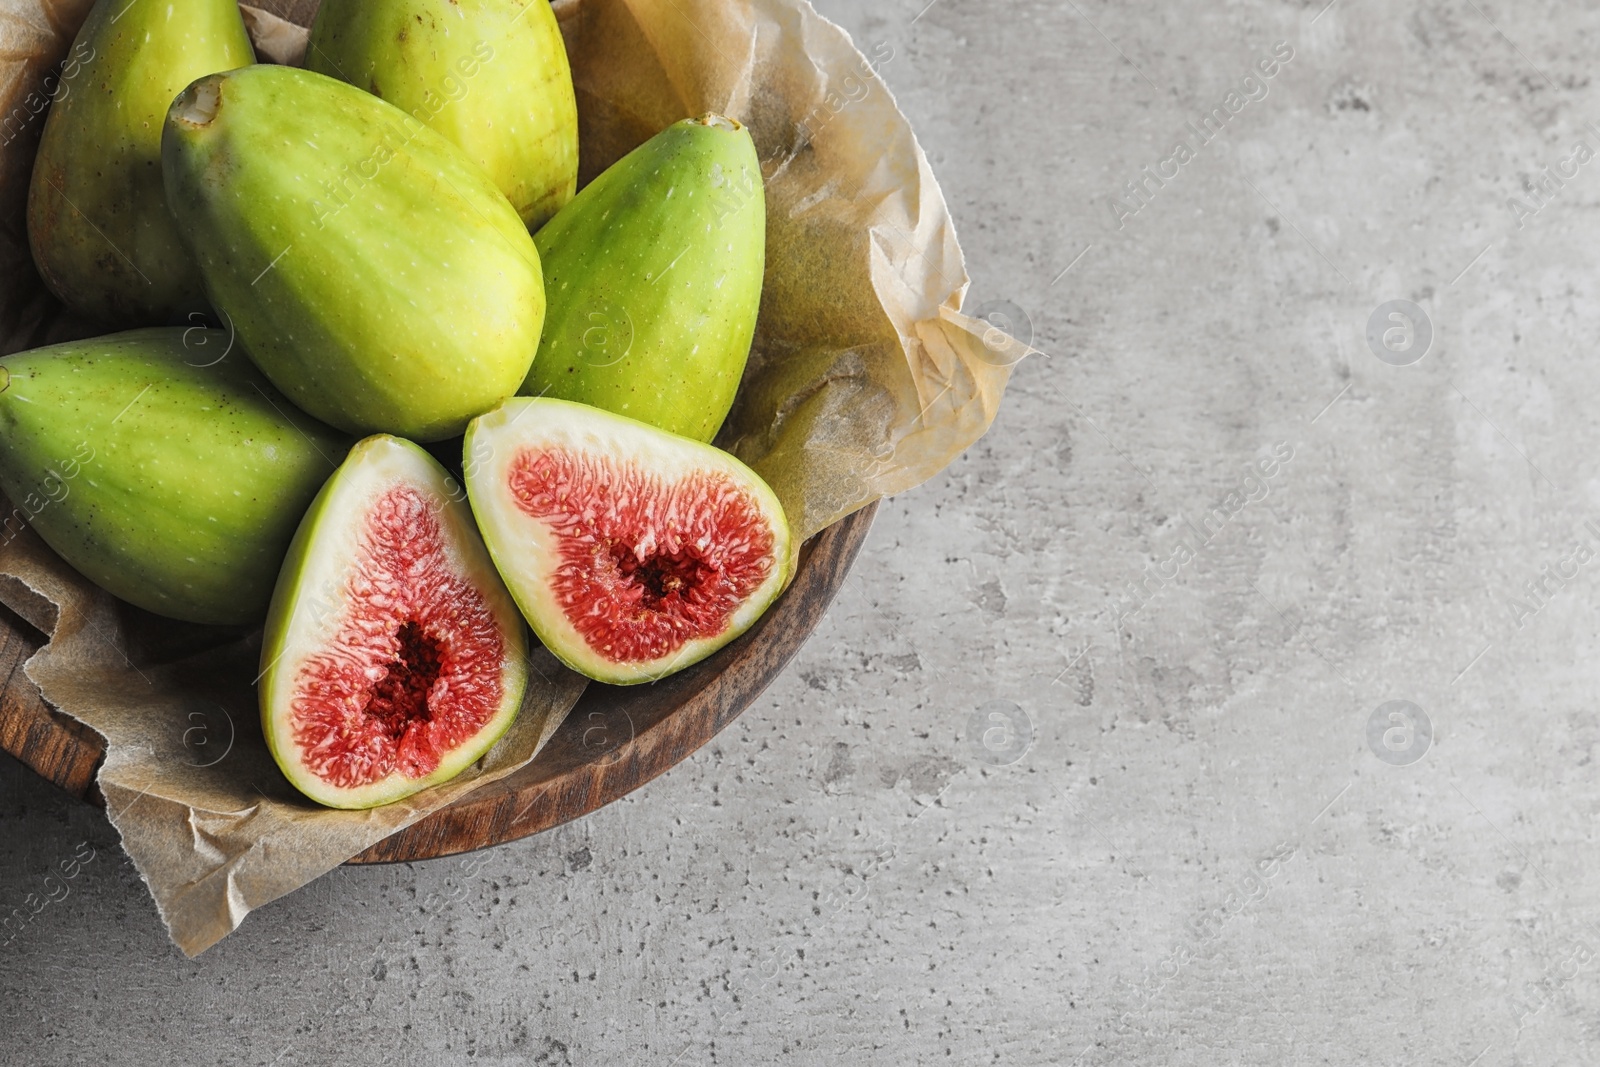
(393, 657)
(633, 552)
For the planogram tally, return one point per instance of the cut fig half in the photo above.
(633, 552)
(393, 656)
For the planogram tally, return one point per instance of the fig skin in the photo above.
(301, 612)
(169, 473)
(653, 276)
(372, 271)
(526, 554)
(98, 223)
(490, 75)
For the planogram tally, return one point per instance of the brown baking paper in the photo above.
(864, 380)
(211, 824)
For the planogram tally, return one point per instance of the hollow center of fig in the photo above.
(646, 563)
(413, 667)
(401, 697)
(662, 575)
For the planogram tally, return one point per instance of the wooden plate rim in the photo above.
(572, 776)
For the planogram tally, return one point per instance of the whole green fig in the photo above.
(98, 223)
(653, 276)
(162, 466)
(372, 271)
(490, 75)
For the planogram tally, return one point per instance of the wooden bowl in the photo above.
(616, 739)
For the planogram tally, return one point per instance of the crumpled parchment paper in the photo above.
(865, 380)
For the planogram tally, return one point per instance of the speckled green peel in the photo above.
(373, 272)
(162, 466)
(490, 75)
(97, 217)
(653, 275)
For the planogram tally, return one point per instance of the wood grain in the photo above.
(54, 745)
(615, 740)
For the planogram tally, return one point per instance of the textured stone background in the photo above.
(1201, 858)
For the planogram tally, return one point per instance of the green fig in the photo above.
(98, 222)
(490, 75)
(372, 271)
(393, 656)
(653, 277)
(632, 552)
(162, 466)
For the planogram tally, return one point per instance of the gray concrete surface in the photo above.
(1179, 842)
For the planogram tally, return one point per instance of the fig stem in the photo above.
(201, 103)
(719, 122)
